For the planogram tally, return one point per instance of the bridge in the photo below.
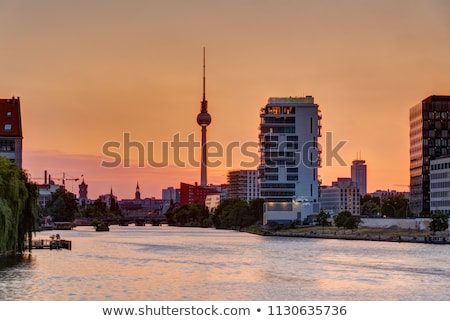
(155, 220)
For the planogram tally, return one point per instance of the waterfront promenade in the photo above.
(362, 234)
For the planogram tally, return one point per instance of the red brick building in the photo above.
(195, 194)
(11, 130)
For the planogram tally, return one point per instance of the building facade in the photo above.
(429, 123)
(83, 193)
(171, 194)
(243, 184)
(359, 175)
(11, 130)
(289, 159)
(440, 185)
(342, 195)
(195, 194)
(383, 194)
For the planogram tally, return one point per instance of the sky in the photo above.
(92, 74)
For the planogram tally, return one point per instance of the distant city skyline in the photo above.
(87, 72)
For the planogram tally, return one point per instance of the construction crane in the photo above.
(409, 186)
(63, 179)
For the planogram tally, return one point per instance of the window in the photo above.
(8, 127)
(7, 145)
(8, 114)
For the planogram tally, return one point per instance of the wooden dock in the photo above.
(57, 244)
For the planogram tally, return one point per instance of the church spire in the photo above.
(137, 194)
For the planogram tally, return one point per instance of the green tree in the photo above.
(18, 207)
(322, 219)
(369, 198)
(62, 207)
(370, 209)
(439, 222)
(232, 213)
(340, 219)
(256, 207)
(352, 222)
(346, 220)
(395, 206)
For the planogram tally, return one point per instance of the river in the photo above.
(176, 264)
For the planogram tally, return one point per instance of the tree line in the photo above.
(231, 213)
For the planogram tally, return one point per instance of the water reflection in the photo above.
(165, 263)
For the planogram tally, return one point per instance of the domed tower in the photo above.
(204, 119)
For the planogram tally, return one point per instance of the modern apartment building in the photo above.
(429, 123)
(243, 184)
(11, 130)
(440, 185)
(342, 195)
(290, 158)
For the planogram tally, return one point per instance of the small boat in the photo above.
(63, 226)
(102, 227)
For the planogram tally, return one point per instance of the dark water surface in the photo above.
(170, 263)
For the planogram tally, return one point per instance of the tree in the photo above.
(232, 213)
(322, 219)
(439, 222)
(18, 207)
(346, 220)
(62, 206)
(395, 206)
(114, 208)
(256, 207)
(369, 198)
(370, 209)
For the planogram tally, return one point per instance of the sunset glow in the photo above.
(87, 72)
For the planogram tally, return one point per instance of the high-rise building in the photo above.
(290, 158)
(429, 123)
(243, 184)
(359, 175)
(11, 130)
(204, 119)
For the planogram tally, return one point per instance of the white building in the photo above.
(290, 157)
(440, 185)
(243, 184)
(342, 195)
(212, 201)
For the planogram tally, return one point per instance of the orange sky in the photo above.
(88, 71)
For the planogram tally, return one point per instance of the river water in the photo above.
(194, 264)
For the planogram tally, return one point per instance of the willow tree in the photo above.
(18, 207)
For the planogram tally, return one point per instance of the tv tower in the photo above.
(203, 119)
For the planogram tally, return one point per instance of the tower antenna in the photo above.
(204, 78)
(204, 119)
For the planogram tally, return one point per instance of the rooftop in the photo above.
(10, 120)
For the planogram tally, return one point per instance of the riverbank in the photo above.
(361, 234)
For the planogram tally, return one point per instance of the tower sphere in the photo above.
(204, 119)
